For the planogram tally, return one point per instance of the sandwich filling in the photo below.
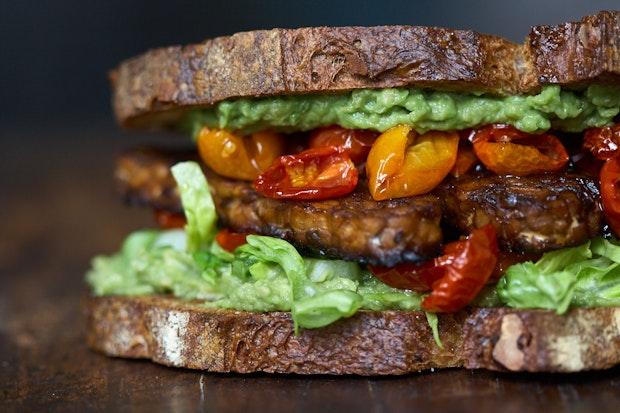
(424, 110)
(323, 205)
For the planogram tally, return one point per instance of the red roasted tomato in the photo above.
(454, 278)
(603, 143)
(610, 193)
(355, 142)
(229, 240)
(317, 173)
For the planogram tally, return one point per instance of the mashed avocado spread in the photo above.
(268, 274)
(381, 109)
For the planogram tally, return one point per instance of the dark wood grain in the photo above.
(59, 208)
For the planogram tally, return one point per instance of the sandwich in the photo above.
(371, 201)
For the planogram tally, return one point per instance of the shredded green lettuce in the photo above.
(584, 276)
(433, 322)
(266, 274)
(151, 262)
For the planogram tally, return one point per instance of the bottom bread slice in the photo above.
(185, 334)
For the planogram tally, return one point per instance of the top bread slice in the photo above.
(154, 89)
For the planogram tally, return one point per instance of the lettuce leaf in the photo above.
(607, 249)
(313, 305)
(559, 259)
(433, 322)
(583, 276)
(526, 286)
(324, 308)
(197, 204)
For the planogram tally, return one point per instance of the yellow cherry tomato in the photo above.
(239, 157)
(402, 163)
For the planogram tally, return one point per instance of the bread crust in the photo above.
(577, 53)
(177, 333)
(155, 88)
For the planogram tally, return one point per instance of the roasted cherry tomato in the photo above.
(408, 276)
(230, 240)
(454, 278)
(318, 173)
(169, 220)
(504, 149)
(467, 265)
(402, 163)
(466, 159)
(603, 143)
(238, 157)
(356, 142)
(610, 193)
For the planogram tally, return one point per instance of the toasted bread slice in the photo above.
(156, 88)
(177, 333)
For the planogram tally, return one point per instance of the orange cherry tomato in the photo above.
(610, 193)
(402, 163)
(238, 157)
(603, 143)
(466, 159)
(318, 173)
(356, 142)
(169, 220)
(504, 149)
(229, 240)
(454, 278)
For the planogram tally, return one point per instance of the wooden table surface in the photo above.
(59, 208)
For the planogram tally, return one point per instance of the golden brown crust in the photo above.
(576, 53)
(307, 60)
(176, 333)
(155, 88)
(282, 61)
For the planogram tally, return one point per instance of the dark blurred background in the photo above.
(54, 55)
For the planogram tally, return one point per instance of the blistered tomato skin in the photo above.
(467, 266)
(507, 151)
(455, 278)
(314, 174)
(355, 142)
(239, 157)
(603, 143)
(402, 163)
(229, 240)
(407, 276)
(610, 193)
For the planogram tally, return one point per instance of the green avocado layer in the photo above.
(381, 109)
